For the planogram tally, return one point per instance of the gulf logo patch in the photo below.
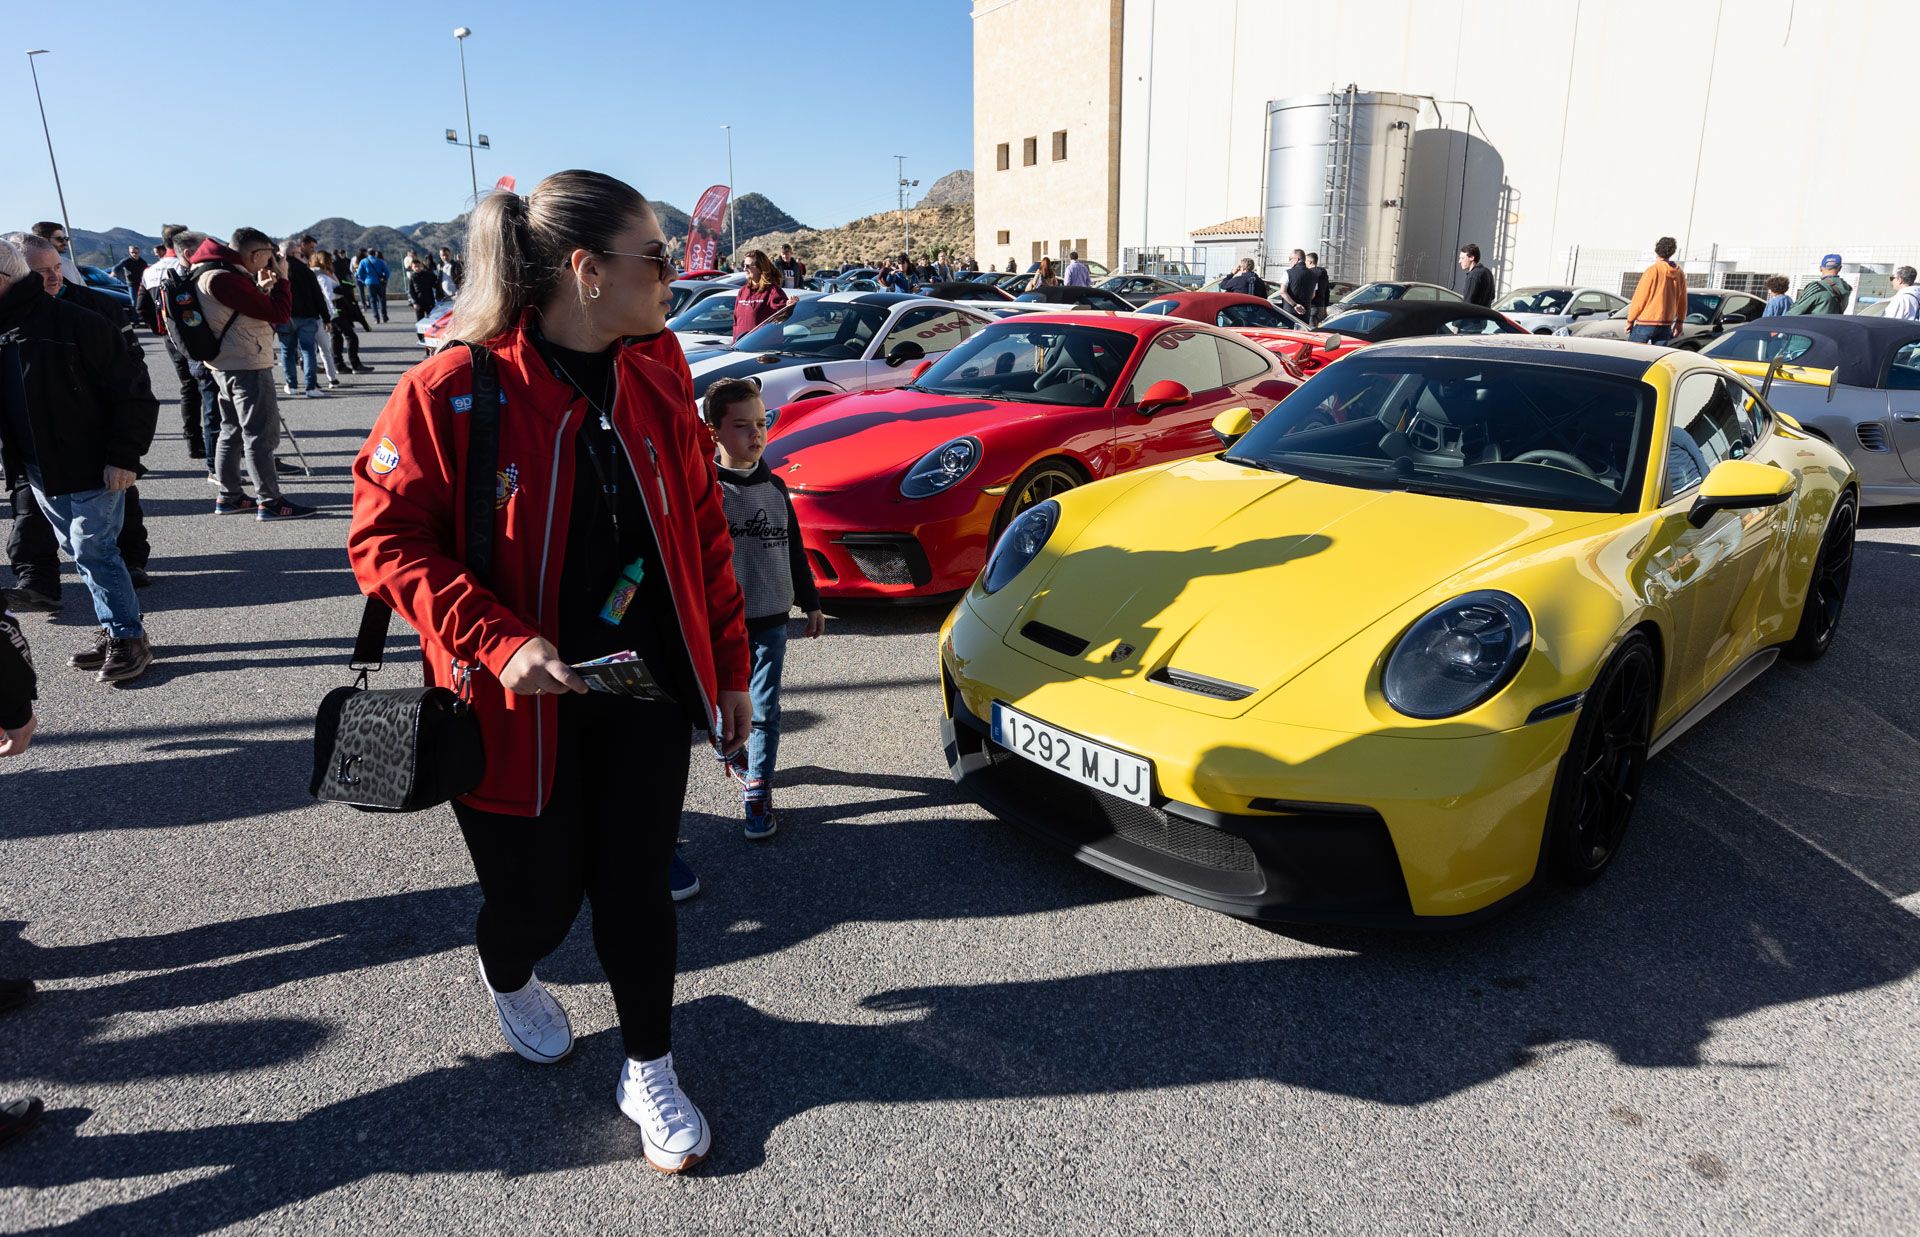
(386, 458)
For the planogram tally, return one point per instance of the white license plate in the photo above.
(1089, 763)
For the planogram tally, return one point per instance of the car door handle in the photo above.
(1907, 416)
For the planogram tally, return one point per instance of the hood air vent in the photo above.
(1200, 684)
(1055, 639)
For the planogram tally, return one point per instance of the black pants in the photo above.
(608, 834)
(344, 336)
(34, 555)
(191, 412)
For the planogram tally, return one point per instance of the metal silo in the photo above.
(1336, 180)
(1455, 185)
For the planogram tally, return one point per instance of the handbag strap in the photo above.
(477, 498)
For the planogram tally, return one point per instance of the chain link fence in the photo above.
(1869, 268)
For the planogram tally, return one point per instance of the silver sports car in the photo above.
(1852, 380)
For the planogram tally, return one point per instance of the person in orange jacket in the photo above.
(1659, 303)
(609, 538)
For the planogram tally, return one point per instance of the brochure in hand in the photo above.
(621, 674)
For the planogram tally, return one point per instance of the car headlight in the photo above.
(1458, 655)
(941, 468)
(1019, 545)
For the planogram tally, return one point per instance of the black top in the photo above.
(1300, 284)
(1322, 288)
(608, 530)
(307, 299)
(1855, 347)
(16, 675)
(1477, 286)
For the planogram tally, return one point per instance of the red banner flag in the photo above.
(703, 236)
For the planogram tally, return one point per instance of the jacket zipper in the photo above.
(679, 617)
(540, 613)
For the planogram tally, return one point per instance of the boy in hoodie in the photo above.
(245, 295)
(772, 569)
(346, 315)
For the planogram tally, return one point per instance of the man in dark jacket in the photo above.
(76, 414)
(32, 551)
(1322, 291)
(299, 332)
(1476, 281)
(1299, 289)
(1244, 281)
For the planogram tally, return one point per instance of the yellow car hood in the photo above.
(1248, 577)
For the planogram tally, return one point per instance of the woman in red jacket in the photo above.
(760, 298)
(602, 481)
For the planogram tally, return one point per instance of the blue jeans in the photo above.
(1649, 334)
(377, 293)
(87, 526)
(299, 332)
(763, 745)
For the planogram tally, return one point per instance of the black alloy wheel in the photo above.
(1827, 590)
(1047, 479)
(1599, 779)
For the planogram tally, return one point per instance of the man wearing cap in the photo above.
(1826, 295)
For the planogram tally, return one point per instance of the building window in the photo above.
(1059, 144)
(1080, 247)
(1039, 250)
(1003, 238)
(1030, 151)
(1003, 156)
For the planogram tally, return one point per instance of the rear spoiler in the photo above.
(1805, 375)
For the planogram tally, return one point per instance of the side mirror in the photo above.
(920, 369)
(1733, 319)
(1737, 485)
(904, 351)
(1332, 343)
(1165, 393)
(1230, 426)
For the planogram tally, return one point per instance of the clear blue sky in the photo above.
(340, 108)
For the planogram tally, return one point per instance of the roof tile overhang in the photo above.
(1246, 227)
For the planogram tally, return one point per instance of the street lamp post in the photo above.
(460, 34)
(903, 184)
(72, 242)
(733, 231)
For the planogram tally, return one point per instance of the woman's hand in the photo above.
(537, 669)
(736, 721)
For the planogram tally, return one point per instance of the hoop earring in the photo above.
(593, 293)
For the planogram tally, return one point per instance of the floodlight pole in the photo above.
(73, 243)
(733, 227)
(460, 34)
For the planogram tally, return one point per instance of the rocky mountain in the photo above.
(953, 189)
(877, 236)
(107, 248)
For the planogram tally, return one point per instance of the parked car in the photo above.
(1378, 321)
(839, 342)
(707, 324)
(900, 493)
(1136, 289)
(1400, 663)
(106, 281)
(1075, 297)
(1853, 381)
(965, 290)
(1542, 309)
(1392, 290)
(1224, 309)
(1708, 313)
(689, 292)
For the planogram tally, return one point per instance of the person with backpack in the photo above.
(1827, 294)
(240, 295)
(76, 415)
(610, 538)
(199, 421)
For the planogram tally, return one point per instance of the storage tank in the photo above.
(1454, 183)
(1336, 178)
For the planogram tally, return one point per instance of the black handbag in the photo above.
(415, 748)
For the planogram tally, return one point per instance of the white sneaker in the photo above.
(532, 1021)
(286, 388)
(674, 1132)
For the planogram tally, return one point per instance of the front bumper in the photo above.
(867, 547)
(1257, 819)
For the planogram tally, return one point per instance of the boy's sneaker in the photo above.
(286, 388)
(126, 659)
(234, 506)
(532, 1022)
(683, 880)
(94, 655)
(316, 393)
(333, 384)
(673, 1132)
(213, 479)
(758, 803)
(281, 509)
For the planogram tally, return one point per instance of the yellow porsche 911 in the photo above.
(1407, 643)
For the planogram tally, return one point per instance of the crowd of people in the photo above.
(668, 538)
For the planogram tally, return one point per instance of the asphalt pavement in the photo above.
(900, 1015)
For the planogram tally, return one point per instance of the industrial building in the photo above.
(1570, 134)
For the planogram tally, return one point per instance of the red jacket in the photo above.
(407, 525)
(751, 308)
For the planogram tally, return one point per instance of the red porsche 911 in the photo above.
(900, 493)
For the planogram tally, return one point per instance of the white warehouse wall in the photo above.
(1803, 129)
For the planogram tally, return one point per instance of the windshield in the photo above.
(680, 298)
(838, 329)
(1039, 363)
(1465, 427)
(1536, 301)
(715, 313)
(1375, 292)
